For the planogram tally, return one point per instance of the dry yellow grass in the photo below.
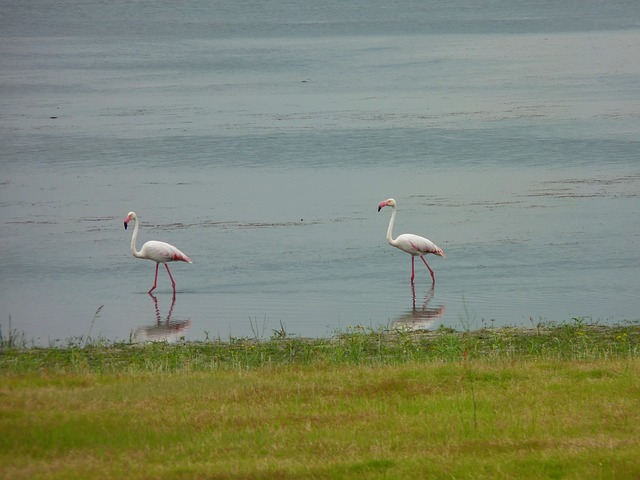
(469, 419)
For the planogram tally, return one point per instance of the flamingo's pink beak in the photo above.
(126, 222)
(382, 204)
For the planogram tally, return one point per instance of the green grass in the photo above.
(559, 401)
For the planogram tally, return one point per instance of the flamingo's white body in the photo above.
(415, 245)
(159, 252)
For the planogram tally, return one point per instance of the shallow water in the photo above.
(509, 138)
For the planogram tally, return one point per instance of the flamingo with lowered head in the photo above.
(413, 244)
(159, 252)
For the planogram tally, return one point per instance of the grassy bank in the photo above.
(559, 401)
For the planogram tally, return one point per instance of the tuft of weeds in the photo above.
(258, 329)
(14, 339)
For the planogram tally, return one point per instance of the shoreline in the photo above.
(359, 345)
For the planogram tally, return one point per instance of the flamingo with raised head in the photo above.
(159, 252)
(413, 244)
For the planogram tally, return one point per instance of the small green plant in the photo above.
(93, 321)
(469, 318)
(280, 333)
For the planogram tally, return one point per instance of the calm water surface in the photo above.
(260, 138)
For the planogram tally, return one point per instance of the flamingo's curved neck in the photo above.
(390, 229)
(134, 239)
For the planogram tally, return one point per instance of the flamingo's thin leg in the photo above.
(412, 268)
(173, 282)
(433, 277)
(155, 280)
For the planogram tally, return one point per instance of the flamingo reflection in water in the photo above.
(163, 330)
(422, 318)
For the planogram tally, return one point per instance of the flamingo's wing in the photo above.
(163, 252)
(416, 245)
